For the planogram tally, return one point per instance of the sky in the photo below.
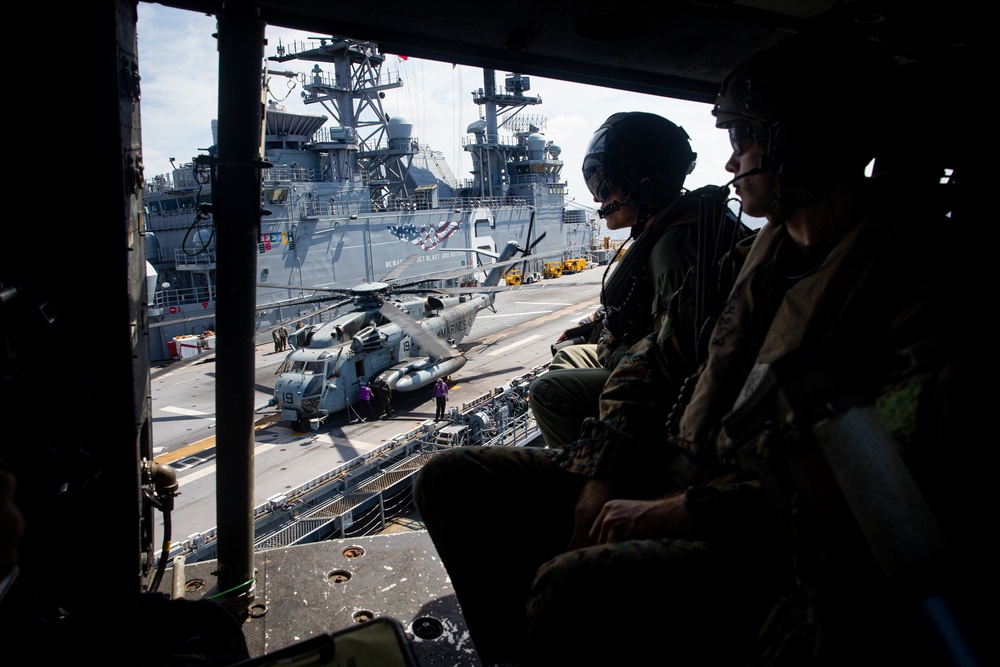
(178, 66)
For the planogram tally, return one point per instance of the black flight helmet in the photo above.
(816, 104)
(644, 155)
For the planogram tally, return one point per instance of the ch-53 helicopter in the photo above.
(391, 343)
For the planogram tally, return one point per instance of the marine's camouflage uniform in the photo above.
(624, 443)
(527, 491)
(501, 517)
(877, 323)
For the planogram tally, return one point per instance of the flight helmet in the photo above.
(645, 155)
(816, 104)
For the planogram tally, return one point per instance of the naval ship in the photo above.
(348, 201)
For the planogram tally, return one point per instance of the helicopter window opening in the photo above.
(359, 368)
(315, 367)
(298, 366)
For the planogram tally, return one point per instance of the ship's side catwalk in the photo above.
(347, 204)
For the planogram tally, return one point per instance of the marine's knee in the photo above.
(547, 391)
(558, 580)
(433, 477)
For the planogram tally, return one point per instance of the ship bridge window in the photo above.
(276, 195)
(186, 202)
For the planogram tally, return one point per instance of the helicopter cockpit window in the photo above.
(297, 367)
(315, 368)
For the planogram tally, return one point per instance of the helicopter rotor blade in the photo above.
(427, 341)
(394, 285)
(311, 288)
(398, 270)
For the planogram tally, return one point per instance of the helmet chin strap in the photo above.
(616, 206)
(613, 207)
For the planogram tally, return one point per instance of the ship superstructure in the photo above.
(347, 201)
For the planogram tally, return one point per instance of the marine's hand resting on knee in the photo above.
(594, 494)
(621, 520)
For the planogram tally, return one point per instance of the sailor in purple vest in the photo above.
(441, 396)
(365, 394)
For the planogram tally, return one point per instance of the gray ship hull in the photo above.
(344, 251)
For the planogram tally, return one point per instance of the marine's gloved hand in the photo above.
(585, 331)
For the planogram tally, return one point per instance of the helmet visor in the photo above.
(739, 133)
(593, 172)
(593, 165)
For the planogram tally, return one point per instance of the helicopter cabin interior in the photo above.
(80, 448)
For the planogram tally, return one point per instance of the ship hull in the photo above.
(299, 253)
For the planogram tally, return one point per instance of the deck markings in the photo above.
(512, 346)
(188, 413)
(530, 312)
(209, 469)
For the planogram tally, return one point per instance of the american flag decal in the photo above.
(424, 237)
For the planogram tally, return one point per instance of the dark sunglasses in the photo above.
(738, 135)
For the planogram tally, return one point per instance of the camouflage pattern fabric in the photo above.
(881, 314)
(626, 443)
(500, 519)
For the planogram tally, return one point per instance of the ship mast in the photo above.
(366, 143)
(502, 110)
